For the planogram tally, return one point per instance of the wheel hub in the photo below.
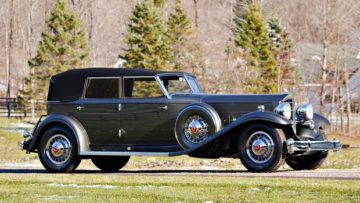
(196, 129)
(260, 147)
(58, 149)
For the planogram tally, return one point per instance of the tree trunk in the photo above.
(196, 13)
(348, 101)
(341, 109)
(323, 76)
(10, 39)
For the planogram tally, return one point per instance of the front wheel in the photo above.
(110, 163)
(262, 148)
(307, 162)
(58, 150)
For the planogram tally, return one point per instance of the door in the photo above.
(144, 113)
(98, 110)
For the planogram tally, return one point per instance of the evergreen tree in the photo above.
(288, 71)
(147, 39)
(63, 46)
(253, 38)
(179, 28)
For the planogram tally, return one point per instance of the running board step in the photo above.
(122, 153)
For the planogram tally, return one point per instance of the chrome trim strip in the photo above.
(103, 77)
(122, 153)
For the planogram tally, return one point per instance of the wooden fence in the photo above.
(9, 107)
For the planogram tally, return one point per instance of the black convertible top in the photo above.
(68, 86)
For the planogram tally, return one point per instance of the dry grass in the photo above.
(122, 188)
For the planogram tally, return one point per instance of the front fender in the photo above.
(67, 120)
(260, 116)
(320, 120)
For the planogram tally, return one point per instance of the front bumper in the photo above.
(305, 146)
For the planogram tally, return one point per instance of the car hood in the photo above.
(243, 98)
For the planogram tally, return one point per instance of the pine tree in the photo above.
(253, 38)
(147, 39)
(63, 46)
(179, 29)
(288, 71)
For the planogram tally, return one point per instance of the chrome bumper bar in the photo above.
(294, 146)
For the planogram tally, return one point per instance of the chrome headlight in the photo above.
(284, 109)
(306, 111)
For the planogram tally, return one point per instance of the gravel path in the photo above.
(339, 174)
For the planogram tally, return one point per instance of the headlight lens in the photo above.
(284, 109)
(306, 111)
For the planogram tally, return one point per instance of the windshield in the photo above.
(180, 84)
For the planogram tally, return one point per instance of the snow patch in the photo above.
(22, 125)
(209, 168)
(81, 186)
(25, 165)
(145, 187)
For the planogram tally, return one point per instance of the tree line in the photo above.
(160, 42)
(259, 55)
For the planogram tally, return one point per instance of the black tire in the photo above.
(307, 162)
(58, 150)
(206, 116)
(255, 151)
(110, 163)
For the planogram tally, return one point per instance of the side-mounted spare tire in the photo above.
(196, 123)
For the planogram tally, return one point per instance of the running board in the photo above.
(122, 153)
(294, 146)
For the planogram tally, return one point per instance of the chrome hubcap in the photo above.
(260, 147)
(58, 149)
(196, 129)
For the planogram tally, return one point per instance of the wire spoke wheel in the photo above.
(58, 149)
(260, 147)
(196, 129)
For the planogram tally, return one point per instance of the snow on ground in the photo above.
(81, 186)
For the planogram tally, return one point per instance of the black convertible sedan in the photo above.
(110, 114)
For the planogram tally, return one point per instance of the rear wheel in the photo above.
(58, 150)
(110, 163)
(262, 148)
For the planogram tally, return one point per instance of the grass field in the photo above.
(118, 188)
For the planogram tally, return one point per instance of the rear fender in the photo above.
(69, 121)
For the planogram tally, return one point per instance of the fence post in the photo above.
(9, 109)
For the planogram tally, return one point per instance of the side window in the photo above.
(102, 88)
(141, 88)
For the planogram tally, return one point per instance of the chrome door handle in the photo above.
(79, 108)
(119, 107)
(164, 108)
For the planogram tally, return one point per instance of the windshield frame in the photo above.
(194, 90)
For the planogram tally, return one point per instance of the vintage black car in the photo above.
(110, 114)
